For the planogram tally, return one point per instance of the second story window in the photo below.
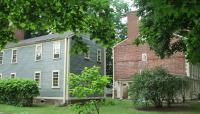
(56, 50)
(38, 52)
(37, 78)
(98, 55)
(13, 75)
(87, 54)
(1, 76)
(1, 57)
(14, 56)
(144, 57)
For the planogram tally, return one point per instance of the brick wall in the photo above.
(127, 57)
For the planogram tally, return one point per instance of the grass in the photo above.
(120, 107)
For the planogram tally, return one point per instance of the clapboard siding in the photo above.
(26, 66)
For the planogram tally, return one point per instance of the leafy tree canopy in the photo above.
(80, 16)
(170, 26)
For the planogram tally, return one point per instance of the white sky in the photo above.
(130, 2)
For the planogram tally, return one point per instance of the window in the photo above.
(14, 56)
(98, 55)
(55, 79)
(87, 54)
(1, 76)
(1, 57)
(37, 78)
(144, 57)
(13, 75)
(38, 52)
(56, 50)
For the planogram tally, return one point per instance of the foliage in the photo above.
(121, 9)
(88, 84)
(170, 26)
(79, 16)
(18, 92)
(157, 86)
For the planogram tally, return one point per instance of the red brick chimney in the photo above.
(19, 34)
(133, 28)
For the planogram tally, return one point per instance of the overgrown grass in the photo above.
(118, 107)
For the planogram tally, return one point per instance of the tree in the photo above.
(79, 16)
(157, 86)
(121, 9)
(170, 26)
(90, 83)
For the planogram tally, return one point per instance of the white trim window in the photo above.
(144, 56)
(87, 54)
(14, 56)
(56, 50)
(37, 78)
(1, 57)
(98, 55)
(1, 76)
(38, 52)
(55, 79)
(13, 75)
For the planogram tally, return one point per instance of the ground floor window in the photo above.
(55, 79)
(37, 78)
(13, 75)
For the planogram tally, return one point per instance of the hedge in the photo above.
(19, 92)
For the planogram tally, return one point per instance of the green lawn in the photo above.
(121, 107)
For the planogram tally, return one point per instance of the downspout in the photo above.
(66, 71)
(104, 69)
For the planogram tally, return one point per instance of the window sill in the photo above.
(56, 58)
(57, 87)
(38, 60)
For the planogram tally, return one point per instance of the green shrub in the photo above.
(19, 92)
(157, 86)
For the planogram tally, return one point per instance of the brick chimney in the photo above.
(133, 28)
(19, 34)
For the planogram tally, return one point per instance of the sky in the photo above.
(130, 2)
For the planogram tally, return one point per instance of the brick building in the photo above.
(129, 59)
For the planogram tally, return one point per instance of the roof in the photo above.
(49, 37)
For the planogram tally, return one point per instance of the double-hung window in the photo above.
(98, 55)
(14, 56)
(144, 57)
(56, 50)
(55, 79)
(37, 78)
(87, 54)
(38, 52)
(1, 57)
(13, 75)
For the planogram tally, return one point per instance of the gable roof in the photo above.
(45, 38)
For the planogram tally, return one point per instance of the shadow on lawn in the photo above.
(189, 107)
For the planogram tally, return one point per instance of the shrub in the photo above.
(156, 86)
(19, 92)
(89, 83)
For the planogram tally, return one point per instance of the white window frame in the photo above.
(40, 78)
(13, 55)
(87, 54)
(99, 55)
(36, 52)
(1, 76)
(1, 61)
(54, 45)
(13, 74)
(52, 85)
(144, 57)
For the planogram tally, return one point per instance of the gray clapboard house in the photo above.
(47, 60)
